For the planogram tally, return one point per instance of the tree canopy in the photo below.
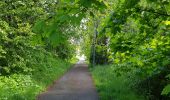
(132, 34)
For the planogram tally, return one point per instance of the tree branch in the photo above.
(153, 11)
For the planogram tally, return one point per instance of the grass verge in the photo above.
(113, 87)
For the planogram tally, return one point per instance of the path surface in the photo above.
(75, 85)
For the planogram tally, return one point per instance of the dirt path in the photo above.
(75, 85)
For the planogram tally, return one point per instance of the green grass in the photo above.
(26, 86)
(112, 87)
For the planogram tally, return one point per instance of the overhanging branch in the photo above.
(153, 11)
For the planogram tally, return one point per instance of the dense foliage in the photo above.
(20, 86)
(131, 35)
(27, 66)
(16, 20)
(37, 40)
(134, 35)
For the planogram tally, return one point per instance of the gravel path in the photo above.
(75, 85)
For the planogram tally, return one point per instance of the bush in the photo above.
(26, 86)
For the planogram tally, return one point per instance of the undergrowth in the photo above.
(113, 87)
(27, 86)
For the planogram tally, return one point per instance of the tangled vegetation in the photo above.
(40, 37)
(28, 64)
(134, 37)
(21, 86)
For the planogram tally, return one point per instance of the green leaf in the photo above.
(39, 26)
(166, 90)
